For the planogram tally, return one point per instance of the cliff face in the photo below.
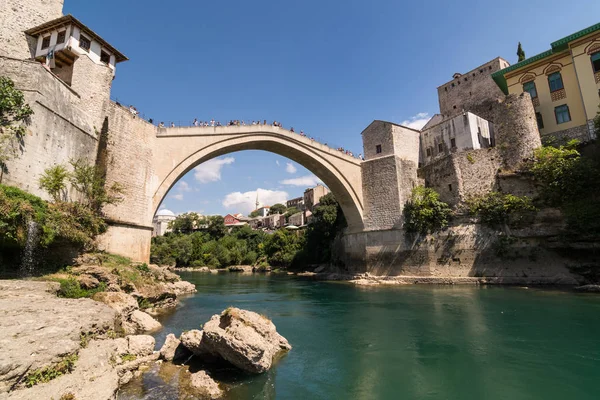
(536, 254)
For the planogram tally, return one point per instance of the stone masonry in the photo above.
(389, 172)
(18, 15)
(470, 89)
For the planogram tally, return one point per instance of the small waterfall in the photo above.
(29, 256)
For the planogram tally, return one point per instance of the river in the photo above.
(403, 342)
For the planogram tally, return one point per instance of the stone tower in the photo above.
(389, 172)
(16, 16)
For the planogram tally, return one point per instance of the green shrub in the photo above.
(128, 357)
(46, 374)
(496, 209)
(54, 181)
(570, 181)
(143, 268)
(425, 212)
(71, 289)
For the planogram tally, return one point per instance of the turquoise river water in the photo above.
(405, 342)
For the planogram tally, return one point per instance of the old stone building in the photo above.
(455, 134)
(470, 89)
(312, 196)
(563, 82)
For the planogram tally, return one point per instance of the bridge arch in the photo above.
(179, 150)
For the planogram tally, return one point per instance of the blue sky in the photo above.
(327, 67)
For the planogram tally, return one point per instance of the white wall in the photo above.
(73, 36)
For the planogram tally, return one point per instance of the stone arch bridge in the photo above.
(148, 161)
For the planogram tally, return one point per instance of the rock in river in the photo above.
(205, 385)
(246, 339)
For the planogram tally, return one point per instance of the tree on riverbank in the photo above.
(209, 244)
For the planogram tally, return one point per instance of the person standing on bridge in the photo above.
(212, 122)
(195, 121)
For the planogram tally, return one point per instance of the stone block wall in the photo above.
(379, 133)
(471, 89)
(58, 132)
(517, 134)
(460, 176)
(17, 16)
(387, 182)
(93, 83)
(581, 133)
(129, 155)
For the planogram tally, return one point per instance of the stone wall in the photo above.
(471, 89)
(581, 133)
(460, 176)
(59, 130)
(93, 83)
(17, 16)
(516, 130)
(462, 251)
(387, 183)
(379, 133)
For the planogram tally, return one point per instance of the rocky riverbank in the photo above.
(84, 348)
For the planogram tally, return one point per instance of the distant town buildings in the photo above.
(298, 203)
(313, 195)
(564, 84)
(236, 220)
(161, 222)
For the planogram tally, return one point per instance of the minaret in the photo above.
(257, 202)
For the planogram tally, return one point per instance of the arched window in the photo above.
(596, 62)
(555, 81)
(530, 88)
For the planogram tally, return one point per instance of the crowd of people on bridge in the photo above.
(237, 122)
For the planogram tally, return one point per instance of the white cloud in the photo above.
(245, 202)
(183, 186)
(277, 162)
(210, 171)
(307, 181)
(290, 168)
(417, 121)
(179, 189)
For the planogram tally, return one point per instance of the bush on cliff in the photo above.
(424, 212)
(570, 182)
(70, 222)
(497, 209)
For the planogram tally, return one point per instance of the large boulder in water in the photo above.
(246, 339)
(192, 340)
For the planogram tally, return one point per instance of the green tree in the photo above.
(186, 223)
(328, 221)
(424, 212)
(14, 113)
(290, 211)
(520, 53)
(254, 214)
(216, 226)
(88, 180)
(54, 181)
(277, 209)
